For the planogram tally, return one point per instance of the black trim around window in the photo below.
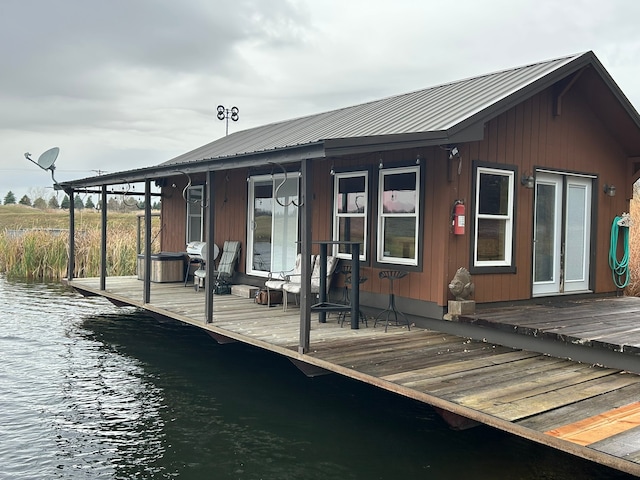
(477, 164)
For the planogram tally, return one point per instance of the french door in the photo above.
(562, 234)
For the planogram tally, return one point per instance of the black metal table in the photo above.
(323, 306)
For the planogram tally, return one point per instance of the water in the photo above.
(91, 391)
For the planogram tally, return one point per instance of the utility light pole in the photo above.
(226, 113)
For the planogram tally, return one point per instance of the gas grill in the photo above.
(197, 253)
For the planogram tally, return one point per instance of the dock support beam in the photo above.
(72, 236)
(305, 251)
(210, 265)
(103, 238)
(147, 241)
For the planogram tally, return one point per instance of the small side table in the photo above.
(391, 275)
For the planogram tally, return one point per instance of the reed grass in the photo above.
(633, 289)
(39, 248)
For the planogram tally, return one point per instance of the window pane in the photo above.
(544, 233)
(399, 195)
(491, 239)
(494, 194)
(351, 195)
(263, 213)
(351, 229)
(399, 237)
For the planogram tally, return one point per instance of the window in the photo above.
(494, 190)
(398, 215)
(273, 224)
(350, 210)
(195, 228)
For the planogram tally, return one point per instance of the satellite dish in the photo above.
(46, 161)
(48, 158)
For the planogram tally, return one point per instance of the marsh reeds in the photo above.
(41, 253)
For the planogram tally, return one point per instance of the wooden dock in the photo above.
(585, 410)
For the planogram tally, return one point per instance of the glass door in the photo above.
(562, 234)
(273, 224)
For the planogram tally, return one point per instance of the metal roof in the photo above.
(448, 113)
(432, 110)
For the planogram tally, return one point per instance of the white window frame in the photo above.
(337, 216)
(194, 212)
(276, 180)
(383, 257)
(507, 218)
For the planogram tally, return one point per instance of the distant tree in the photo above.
(10, 198)
(141, 205)
(156, 205)
(40, 203)
(53, 202)
(25, 200)
(113, 204)
(89, 203)
(78, 204)
(65, 203)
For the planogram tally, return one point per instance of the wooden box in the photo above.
(165, 267)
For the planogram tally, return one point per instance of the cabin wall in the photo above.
(529, 136)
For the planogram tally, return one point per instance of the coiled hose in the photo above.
(619, 269)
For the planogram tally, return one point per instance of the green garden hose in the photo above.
(619, 269)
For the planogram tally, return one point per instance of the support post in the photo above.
(147, 241)
(355, 286)
(103, 239)
(71, 265)
(209, 267)
(305, 251)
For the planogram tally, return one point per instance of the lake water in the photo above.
(91, 391)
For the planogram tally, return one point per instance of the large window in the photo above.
(494, 190)
(398, 215)
(194, 213)
(273, 224)
(350, 211)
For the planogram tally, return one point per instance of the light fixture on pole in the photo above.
(226, 113)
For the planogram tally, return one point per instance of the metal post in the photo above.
(72, 236)
(147, 241)
(355, 286)
(305, 251)
(209, 280)
(322, 314)
(103, 239)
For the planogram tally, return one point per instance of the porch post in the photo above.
(209, 266)
(305, 251)
(103, 239)
(72, 236)
(147, 241)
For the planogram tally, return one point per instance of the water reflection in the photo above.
(91, 391)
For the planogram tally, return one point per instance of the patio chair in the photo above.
(295, 287)
(226, 266)
(276, 280)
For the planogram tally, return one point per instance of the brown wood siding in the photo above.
(526, 137)
(529, 137)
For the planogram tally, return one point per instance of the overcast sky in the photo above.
(124, 84)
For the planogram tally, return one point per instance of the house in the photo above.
(541, 158)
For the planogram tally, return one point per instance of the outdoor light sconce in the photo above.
(528, 181)
(610, 190)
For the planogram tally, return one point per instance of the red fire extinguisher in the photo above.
(458, 217)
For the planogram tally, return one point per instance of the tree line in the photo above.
(113, 203)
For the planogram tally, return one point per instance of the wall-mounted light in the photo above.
(528, 181)
(380, 165)
(332, 172)
(610, 190)
(418, 158)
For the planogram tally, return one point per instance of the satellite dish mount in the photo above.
(47, 161)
